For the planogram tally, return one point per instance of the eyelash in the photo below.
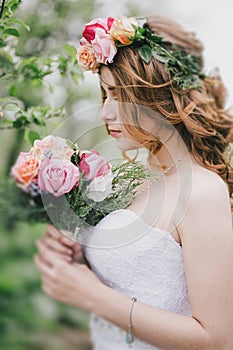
(105, 97)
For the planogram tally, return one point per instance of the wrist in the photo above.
(112, 306)
(101, 294)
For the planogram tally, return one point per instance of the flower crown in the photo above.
(102, 37)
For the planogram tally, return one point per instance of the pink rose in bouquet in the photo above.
(25, 170)
(70, 187)
(97, 169)
(57, 176)
(94, 165)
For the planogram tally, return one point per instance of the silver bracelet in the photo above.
(129, 336)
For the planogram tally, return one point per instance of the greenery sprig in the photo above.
(184, 68)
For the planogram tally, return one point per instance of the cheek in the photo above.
(152, 126)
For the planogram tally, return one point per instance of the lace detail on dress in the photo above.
(149, 267)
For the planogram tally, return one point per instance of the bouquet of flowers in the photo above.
(71, 187)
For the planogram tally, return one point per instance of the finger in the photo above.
(68, 238)
(51, 258)
(57, 246)
(52, 231)
(49, 288)
(42, 247)
(77, 252)
(78, 246)
(43, 267)
(78, 256)
(46, 283)
(58, 235)
(77, 249)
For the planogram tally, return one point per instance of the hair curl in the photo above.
(199, 115)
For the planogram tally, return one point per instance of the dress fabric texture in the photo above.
(139, 261)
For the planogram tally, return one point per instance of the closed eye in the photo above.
(105, 96)
(108, 90)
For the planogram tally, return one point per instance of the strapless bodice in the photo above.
(137, 260)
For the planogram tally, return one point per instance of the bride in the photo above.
(167, 280)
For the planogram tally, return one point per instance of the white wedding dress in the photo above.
(139, 261)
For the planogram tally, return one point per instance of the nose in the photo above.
(108, 112)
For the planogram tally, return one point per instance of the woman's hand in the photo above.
(71, 283)
(67, 249)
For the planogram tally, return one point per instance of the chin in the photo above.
(126, 145)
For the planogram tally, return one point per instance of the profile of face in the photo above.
(111, 116)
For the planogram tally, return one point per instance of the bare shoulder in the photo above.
(209, 203)
(207, 185)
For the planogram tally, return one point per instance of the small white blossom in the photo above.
(100, 187)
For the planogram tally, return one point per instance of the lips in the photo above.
(114, 133)
(113, 130)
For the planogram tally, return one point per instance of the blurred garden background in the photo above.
(42, 92)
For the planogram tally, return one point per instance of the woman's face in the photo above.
(110, 113)
(111, 116)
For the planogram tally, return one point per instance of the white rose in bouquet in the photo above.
(100, 188)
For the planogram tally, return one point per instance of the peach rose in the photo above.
(123, 30)
(86, 58)
(57, 176)
(25, 170)
(104, 47)
(51, 146)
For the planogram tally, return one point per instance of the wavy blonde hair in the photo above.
(199, 115)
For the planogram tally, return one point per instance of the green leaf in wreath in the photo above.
(158, 57)
(20, 122)
(141, 30)
(154, 38)
(31, 135)
(145, 53)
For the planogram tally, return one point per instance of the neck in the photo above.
(173, 148)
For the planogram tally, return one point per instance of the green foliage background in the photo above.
(40, 86)
(36, 42)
